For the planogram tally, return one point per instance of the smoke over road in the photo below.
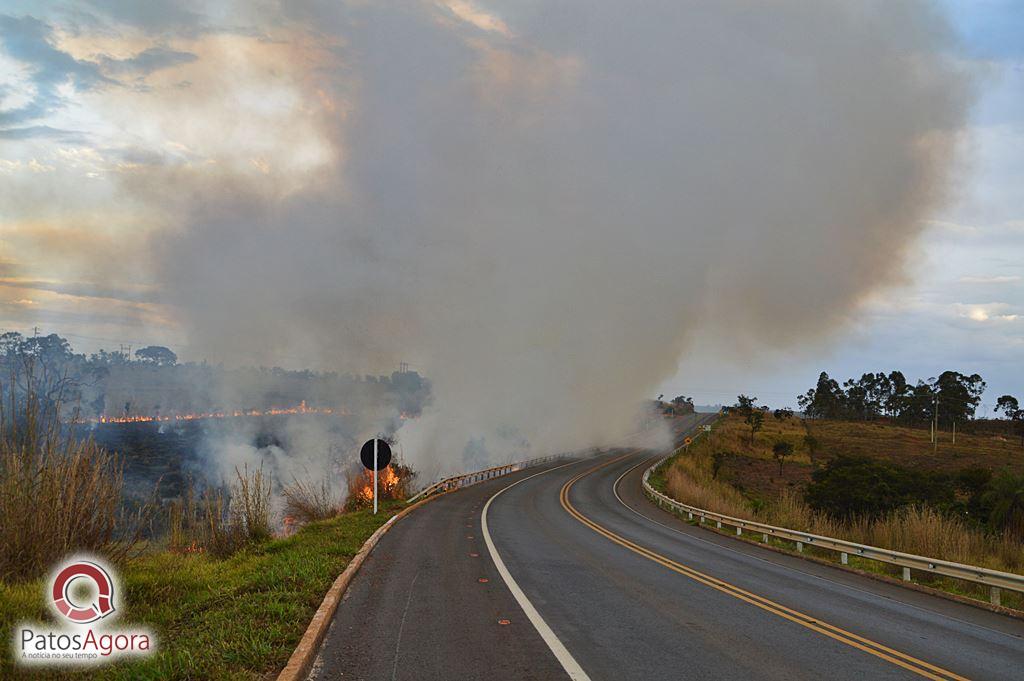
(538, 204)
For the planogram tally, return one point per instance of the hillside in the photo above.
(751, 468)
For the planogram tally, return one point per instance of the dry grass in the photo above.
(732, 435)
(913, 447)
(222, 523)
(307, 501)
(920, 531)
(58, 495)
(690, 481)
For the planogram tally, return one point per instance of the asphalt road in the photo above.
(598, 582)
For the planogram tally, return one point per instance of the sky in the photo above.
(106, 105)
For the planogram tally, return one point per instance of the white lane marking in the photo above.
(398, 639)
(562, 654)
(841, 585)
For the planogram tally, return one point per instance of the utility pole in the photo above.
(935, 427)
(954, 431)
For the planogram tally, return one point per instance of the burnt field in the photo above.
(174, 456)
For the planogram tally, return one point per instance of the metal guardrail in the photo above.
(466, 479)
(994, 579)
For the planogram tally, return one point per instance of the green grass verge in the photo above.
(237, 618)
(657, 479)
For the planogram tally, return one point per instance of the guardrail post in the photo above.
(993, 595)
(844, 558)
(800, 547)
(906, 574)
(689, 515)
(719, 524)
(739, 531)
(764, 538)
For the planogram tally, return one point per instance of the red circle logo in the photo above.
(83, 613)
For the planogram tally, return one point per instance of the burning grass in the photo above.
(393, 484)
(222, 522)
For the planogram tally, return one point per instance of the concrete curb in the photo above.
(305, 653)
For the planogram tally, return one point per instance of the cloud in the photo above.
(44, 132)
(953, 227)
(471, 13)
(152, 16)
(986, 312)
(999, 279)
(136, 293)
(147, 61)
(30, 41)
(20, 306)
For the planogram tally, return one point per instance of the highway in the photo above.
(569, 572)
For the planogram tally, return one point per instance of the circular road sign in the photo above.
(383, 454)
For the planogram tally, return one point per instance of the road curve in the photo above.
(630, 592)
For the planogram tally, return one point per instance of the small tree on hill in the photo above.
(717, 459)
(752, 415)
(755, 420)
(1010, 407)
(783, 413)
(781, 451)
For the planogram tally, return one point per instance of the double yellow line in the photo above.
(908, 662)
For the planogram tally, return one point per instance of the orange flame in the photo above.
(387, 483)
(301, 408)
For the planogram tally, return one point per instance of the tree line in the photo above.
(151, 381)
(954, 395)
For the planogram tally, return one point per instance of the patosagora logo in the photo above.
(82, 593)
(65, 603)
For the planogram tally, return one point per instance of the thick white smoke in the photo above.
(536, 204)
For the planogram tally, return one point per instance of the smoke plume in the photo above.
(537, 205)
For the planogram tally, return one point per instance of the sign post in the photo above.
(375, 455)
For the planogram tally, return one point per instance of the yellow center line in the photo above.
(896, 657)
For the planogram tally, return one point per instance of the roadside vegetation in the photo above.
(868, 482)
(56, 495)
(226, 585)
(227, 618)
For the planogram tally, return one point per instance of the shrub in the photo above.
(850, 487)
(1003, 503)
